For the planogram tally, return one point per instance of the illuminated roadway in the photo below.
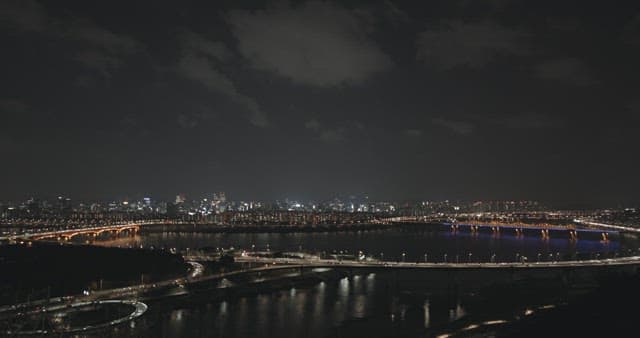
(606, 226)
(139, 309)
(69, 233)
(272, 264)
(620, 261)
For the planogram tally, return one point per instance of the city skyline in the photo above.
(358, 198)
(434, 100)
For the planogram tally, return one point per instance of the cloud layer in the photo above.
(315, 43)
(97, 48)
(198, 63)
(459, 127)
(472, 45)
(566, 70)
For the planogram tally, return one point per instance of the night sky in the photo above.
(318, 99)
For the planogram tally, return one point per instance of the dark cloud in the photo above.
(198, 43)
(529, 121)
(186, 121)
(459, 127)
(326, 134)
(103, 63)
(27, 15)
(631, 31)
(565, 70)
(334, 133)
(106, 52)
(84, 30)
(474, 44)
(129, 121)
(312, 124)
(200, 68)
(413, 132)
(391, 87)
(10, 106)
(634, 105)
(192, 120)
(313, 43)
(569, 25)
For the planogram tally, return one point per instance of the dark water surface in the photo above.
(387, 244)
(361, 305)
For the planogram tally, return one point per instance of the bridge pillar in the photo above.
(544, 233)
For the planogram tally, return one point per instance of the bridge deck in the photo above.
(326, 263)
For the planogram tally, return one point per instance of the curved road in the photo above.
(139, 309)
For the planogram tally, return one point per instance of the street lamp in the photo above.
(403, 256)
(425, 258)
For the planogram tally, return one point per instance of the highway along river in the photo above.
(378, 303)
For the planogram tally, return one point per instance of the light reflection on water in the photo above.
(390, 244)
(294, 312)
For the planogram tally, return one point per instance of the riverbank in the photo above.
(43, 270)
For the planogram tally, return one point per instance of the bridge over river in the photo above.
(596, 230)
(545, 231)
